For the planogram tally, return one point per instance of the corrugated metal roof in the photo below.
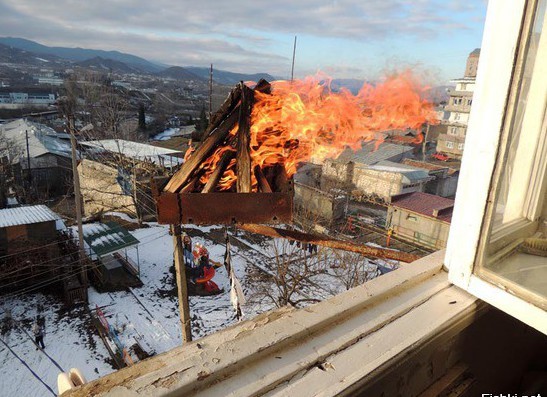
(41, 140)
(370, 154)
(410, 174)
(105, 238)
(26, 215)
(137, 150)
(426, 204)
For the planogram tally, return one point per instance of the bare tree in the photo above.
(288, 278)
(351, 268)
(9, 151)
(101, 104)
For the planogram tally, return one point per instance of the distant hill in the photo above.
(121, 62)
(228, 78)
(15, 55)
(81, 54)
(353, 85)
(179, 73)
(108, 65)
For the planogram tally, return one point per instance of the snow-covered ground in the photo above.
(166, 134)
(149, 312)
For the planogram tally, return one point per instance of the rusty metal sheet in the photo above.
(224, 208)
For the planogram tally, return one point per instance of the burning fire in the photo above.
(305, 119)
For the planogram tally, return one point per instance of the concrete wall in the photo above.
(452, 145)
(101, 191)
(340, 172)
(443, 186)
(418, 228)
(380, 183)
(317, 203)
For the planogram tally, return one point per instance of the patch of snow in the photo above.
(166, 135)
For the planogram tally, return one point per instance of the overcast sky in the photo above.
(345, 38)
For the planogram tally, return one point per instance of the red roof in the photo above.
(425, 204)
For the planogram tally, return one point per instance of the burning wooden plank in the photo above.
(243, 157)
(219, 170)
(263, 185)
(202, 191)
(210, 143)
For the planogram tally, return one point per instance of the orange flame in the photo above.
(305, 120)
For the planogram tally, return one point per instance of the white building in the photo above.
(457, 110)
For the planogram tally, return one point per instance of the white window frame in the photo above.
(450, 144)
(460, 146)
(491, 99)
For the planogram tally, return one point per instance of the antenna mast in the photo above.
(293, 56)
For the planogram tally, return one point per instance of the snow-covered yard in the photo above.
(149, 312)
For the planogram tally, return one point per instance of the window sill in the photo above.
(312, 351)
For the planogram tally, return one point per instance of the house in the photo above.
(37, 252)
(22, 226)
(115, 176)
(372, 171)
(39, 158)
(457, 110)
(421, 218)
(315, 205)
(444, 179)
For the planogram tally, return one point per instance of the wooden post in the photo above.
(182, 287)
(243, 157)
(424, 145)
(210, 93)
(78, 199)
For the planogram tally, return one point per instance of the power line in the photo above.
(27, 366)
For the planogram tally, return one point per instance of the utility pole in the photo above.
(210, 92)
(182, 287)
(293, 56)
(78, 199)
(424, 144)
(29, 176)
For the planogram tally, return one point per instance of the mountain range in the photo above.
(19, 50)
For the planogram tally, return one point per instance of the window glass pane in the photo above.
(526, 130)
(516, 249)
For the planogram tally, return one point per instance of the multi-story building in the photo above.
(457, 110)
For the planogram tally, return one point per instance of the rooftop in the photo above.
(425, 204)
(105, 238)
(138, 151)
(26, 215)
(41, 139)
(410, 174)
(428, 166)
(372, 152)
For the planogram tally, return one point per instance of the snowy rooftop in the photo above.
(41, 139)
(105, 238)
(138, 151)
(26, 215)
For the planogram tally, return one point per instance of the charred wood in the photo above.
(194, 161)
(243, 157)
(218, 172)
